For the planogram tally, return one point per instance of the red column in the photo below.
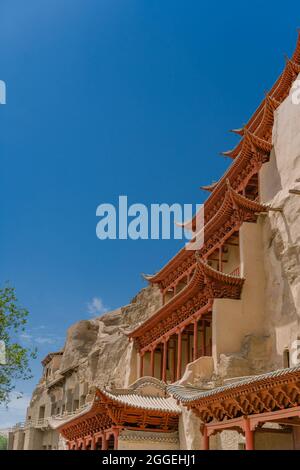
(141, 364)
(203, 338)
(93, 443)
(187, 347)
(220, 258)
(152, 361)
(249, 435)
(195, 340)
(174, 289)
(164, 370)
(179, 347)
(104, 442)
(116, 439)
(174, 358)
(205, 438)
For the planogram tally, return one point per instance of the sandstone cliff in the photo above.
(96, 353)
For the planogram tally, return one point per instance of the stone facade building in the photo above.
(207, 355)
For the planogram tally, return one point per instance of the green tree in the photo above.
(14, 358)
(3, 442)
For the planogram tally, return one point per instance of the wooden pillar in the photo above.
(83, 447)
(209, 326)
(116, 439)
(161, 362)
(174, 358)
(195, 355)
(203, 338)
(220, 258)
(141, 364)
(104, 442)
(187, 347)
(164, 365)
(249, 435)
(93, 443)
(152, 361)
(205, 438)
(175, 288)
(179, 349)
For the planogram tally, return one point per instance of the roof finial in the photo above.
(227, 154)
(239, 131)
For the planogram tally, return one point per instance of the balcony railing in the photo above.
(67, 414)
(236, 272)
(44, 422)
(34, 423)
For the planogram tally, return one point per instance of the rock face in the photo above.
(280, 181)
(96, 353)
(111, 360)
(252, 359)
(81, 338)
(100, 346)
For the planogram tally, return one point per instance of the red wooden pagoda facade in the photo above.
(191, 280)
(145, 406)
(180, 331)
(246, 405)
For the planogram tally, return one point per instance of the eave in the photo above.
(267, 392)
(196, 298)
(259, 131)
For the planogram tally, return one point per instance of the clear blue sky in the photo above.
(110, 97)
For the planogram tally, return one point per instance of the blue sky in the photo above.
(113, 97)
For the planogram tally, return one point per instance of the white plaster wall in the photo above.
(235, 319)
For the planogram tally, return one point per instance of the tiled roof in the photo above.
(188, 394)
(139, 384)
(215, 273)
(145, 402)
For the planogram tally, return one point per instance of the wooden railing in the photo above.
(43, 422)
(66, 414)
(35, 423)
(236, 272)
